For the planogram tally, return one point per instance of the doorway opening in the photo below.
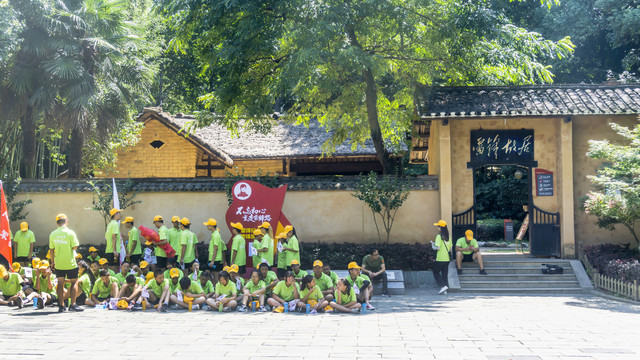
(501, 192)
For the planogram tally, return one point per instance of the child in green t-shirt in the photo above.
(311, 294)
(131, 289)
(206, 284)
(284, 293)
(224, 294)
(188, 292)
(253, 290)
(269, 277)
(346, 300)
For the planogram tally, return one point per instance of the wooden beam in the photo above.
(336, 168)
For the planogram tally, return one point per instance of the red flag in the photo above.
(5, 237)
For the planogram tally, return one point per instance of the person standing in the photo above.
(63, 243)
(188, 252)
(163, 234)
(373, 266)
(266, 246)
(442, 245)
(112, 236)
(216, 248)
(23, 242)
(134, 250)
(174, 238)
(238, 250)
(291, 247)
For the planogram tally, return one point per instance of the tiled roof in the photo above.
(214, 184)
(537, 100)
(283, 141)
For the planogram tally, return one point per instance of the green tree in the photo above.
(500, 193)
(616, 198)
(102, 200)
(384, 195)
(353, 65)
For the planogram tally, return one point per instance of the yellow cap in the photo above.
(44, 264)
(234, 268)
(149, 275)
(265, 225)
(281, 236)
(24, 226)
(187, 299)
(226, 268)
(128, 219)
(48, 256)
(318, 263)
(175, 218)
(441, 223)
(102, 261)
(211, 222)
(123, 304)
(143, 264)
(35, 262)
(295, 262)
(237, 226)
(157, 218)
(174, 273)
(78, 256)
(61, 217)
(353, 265)
(148, 242)
(92, 249)
(469, 234)
(3, 271)
(257, 232)
(16, 267)
(184, 221)
(279, 309)
(288, 228)
(114, 211)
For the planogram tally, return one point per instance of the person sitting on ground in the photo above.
(225, 294)
(238, 251)
(44, 285)
(284, 292)
(297, 273)
(253, 290)
(174, 282)
(104, 265)
(346, 300)
(12, 288)
(171, 266)
(361, 286)
(124, 272)
(159, 294)
(238, 280)
(373, 266)
(323, 281)
(93, 255)
(105, 288)
(206, 284)
(143, 269)
(195, 271)
(84, 283)
(269, 277)
(467, 250)
(131, 289)
(191, 293)
(23, 243)
(311, 294)
(326, 269)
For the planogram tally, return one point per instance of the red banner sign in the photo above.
(253, 204)
(5, 236)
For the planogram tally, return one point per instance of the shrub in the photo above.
(616, 261)
(493, 230)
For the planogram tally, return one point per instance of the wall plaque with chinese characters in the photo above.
(544, 182)
(501, 147)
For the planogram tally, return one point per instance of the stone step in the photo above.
(395, 288)
(511, 270)
(513, 277)
(519, 263)
(516, 284)
(524, 290)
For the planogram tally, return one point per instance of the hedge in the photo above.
(616, 261)
(493, 230)
(397, 256)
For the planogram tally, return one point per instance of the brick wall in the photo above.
(175, 158)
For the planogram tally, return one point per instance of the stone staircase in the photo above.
(509, 273)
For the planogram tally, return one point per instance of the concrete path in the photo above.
(419, 325)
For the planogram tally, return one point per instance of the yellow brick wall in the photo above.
(250, 167)
(176, 158)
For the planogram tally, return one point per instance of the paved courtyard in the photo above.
(419, 325)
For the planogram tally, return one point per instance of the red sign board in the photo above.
(253, 204)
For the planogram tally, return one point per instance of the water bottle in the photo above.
(363, 309)
(35, 303)
(253, 306)
(190, 304)
(308, 309)
(220, 306)
(144, 305)
(286, 307)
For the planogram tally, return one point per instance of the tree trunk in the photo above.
(27, 123)
(75, 153)
(371, 99)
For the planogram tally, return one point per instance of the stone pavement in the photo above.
(419, 325)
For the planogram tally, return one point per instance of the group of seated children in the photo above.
(136, 287)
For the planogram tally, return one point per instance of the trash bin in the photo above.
(508, 230)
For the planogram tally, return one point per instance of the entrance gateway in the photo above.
(513, 147)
